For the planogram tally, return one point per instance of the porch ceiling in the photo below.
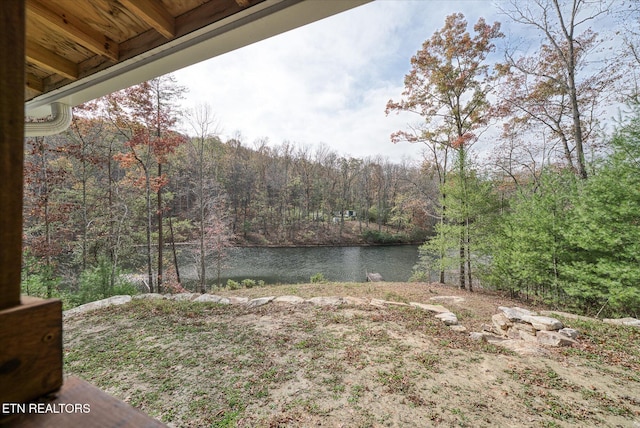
(78, 50)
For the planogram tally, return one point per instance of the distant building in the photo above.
(346, 215)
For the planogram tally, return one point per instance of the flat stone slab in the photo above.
(448, 318)
(292, 300)
(149, 296)
(515, 314)
(631, 322)
(437, 309)
(569, 332)
(543, 323)
(390, 303)
(233, 300)
(377, 302)
(183, 296)
(355, 301)
(260, 301)
(326, 301)
(111, 301)
(553, 338)
(208, 298)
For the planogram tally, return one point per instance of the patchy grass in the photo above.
(206, 365)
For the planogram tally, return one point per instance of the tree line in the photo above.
(123, 190)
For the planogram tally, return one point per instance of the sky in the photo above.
(327, 82)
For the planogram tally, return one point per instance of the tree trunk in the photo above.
(469, 275)
(203, 286)
(148, 203)
(462, 260)
(160, 234)
(175, 253)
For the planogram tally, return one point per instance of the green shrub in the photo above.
(232, 285)
(248, 283)
(38, 279)
(317, 278)
(95, 283)
(419, 276)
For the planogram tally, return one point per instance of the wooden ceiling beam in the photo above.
(51, 61)
(243, 3)
(34, 83)
(154, 14)
(73, 28)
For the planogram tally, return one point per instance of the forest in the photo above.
(550, 212)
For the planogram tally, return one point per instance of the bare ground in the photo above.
(200, 364)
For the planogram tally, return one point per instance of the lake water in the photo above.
(297, 265)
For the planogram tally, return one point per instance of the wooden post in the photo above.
(31, 332)
(12, 35)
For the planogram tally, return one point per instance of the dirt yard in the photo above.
(203, 364)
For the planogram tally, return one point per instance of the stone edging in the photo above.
(439, 311)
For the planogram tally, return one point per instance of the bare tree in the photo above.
(560, 86)
(206, 127)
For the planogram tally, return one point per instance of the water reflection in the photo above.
(297, 265)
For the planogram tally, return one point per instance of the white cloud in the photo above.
(328, 81)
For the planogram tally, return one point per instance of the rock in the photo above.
(390, 303)
(227, 301)
(487, 327)
(233, 300)
(512, 333)
(260, 301)
(527, 337)
(632, 322)
(293, 300)
(501, 323)
(459, 328)
(438, 309)
(374, 277)
(542, 323)
(477, 336)
(326, 301)
(355, 301)
(569, 332)
(208, 298)
(148, 296)
(377, 302)
(183, 296)
(111, 301)
(527, 328)
(515, 314)
(448, 318)
(553, 338)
